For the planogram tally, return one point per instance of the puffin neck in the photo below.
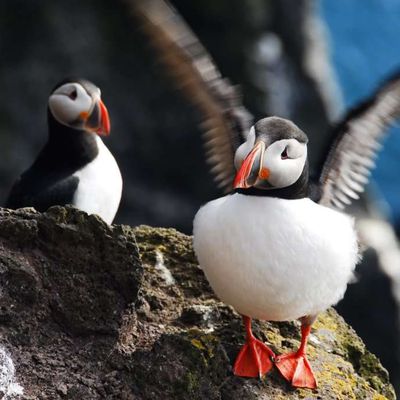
(71, 141)
(296, 191)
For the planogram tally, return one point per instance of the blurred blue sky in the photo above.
(365, 48)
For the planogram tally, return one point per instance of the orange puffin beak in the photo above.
(251, 169)
(105, 125)
(98, 121)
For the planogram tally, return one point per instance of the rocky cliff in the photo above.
(89, 311)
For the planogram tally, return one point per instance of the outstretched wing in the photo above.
(226, 122)
(356, 141)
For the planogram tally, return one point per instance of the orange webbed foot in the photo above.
(254, 359)
(295, 368)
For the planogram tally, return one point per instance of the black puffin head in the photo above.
(273, 160)
(76, 104)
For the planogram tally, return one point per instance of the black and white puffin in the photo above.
(74, 167)
(278, 247)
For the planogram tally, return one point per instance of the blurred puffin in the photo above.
(74, 167)
(279, 247)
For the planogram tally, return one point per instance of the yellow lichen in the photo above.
(340, 382)
(198, 344)
(379, 397)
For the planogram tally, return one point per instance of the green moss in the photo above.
(349, 345)
(206, 343)
(371, 369)
(191, 383)
(274, 337)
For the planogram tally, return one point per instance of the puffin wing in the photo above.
(25, 194)
(356, 141)
(226, 122)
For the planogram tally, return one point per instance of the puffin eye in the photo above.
(284, 154)
(73, 95)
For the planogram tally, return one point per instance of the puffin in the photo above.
(74, 166)
(277, 246)
(272, 251)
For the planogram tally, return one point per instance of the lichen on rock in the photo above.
(90, 311)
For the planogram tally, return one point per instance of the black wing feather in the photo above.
(226, 122)
(29, 192)
(356, 141)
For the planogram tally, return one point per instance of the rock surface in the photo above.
(83, 318)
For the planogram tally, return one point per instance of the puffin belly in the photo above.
(100, 185)
(275, 259)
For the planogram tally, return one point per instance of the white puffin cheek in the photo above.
(296, 150)
(67, 110)
(284, 172)
(244, 149)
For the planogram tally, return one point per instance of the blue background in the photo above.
(364, 38)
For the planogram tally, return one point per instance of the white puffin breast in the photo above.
(275, 259)
(100, 185)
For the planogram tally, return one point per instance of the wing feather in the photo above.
(357, 140)
(226, 122)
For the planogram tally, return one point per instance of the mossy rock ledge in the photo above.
(89, 311)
